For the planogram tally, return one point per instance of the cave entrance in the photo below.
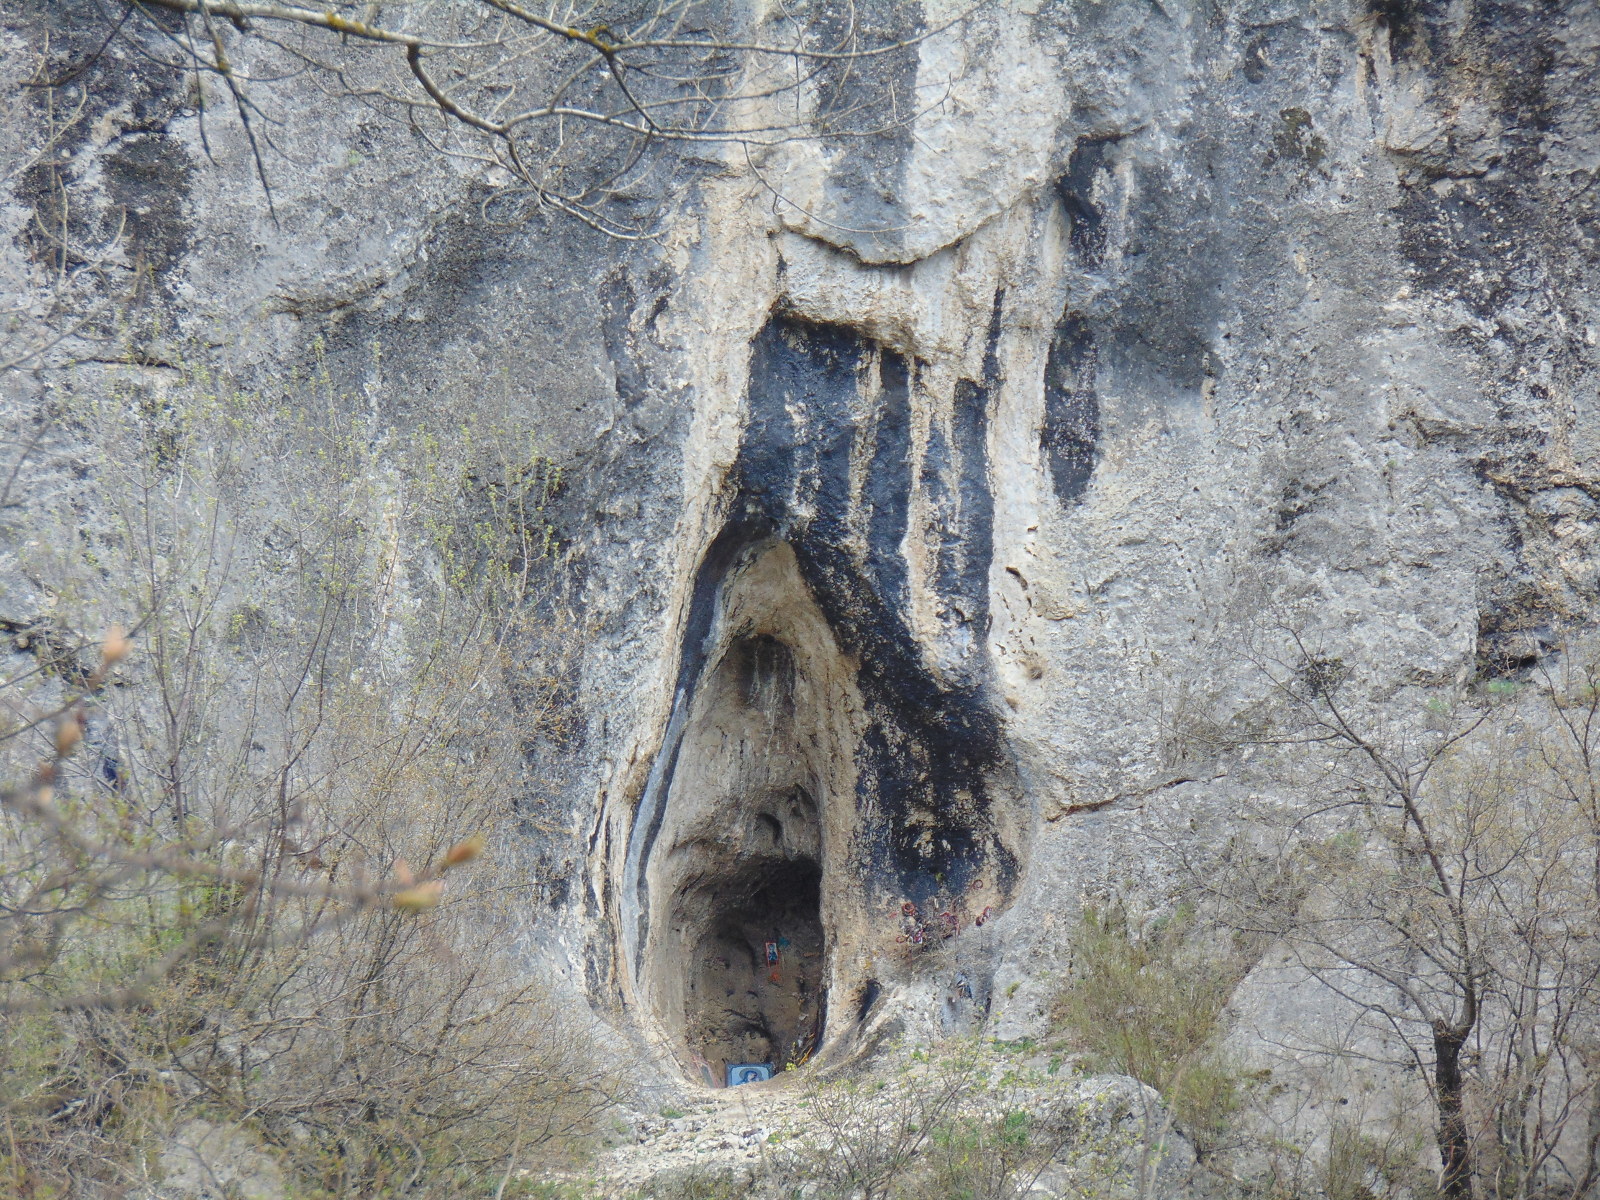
(755, 991)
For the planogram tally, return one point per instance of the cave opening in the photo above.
(755, 989)
(823, 759)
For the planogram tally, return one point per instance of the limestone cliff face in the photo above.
(922, 487)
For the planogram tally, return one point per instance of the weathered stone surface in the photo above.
(742, 1142)
(206, 1161)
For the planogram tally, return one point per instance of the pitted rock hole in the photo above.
(764, 667)
(755, 976)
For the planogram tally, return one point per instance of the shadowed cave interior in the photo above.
(745, 968)
(754, 990)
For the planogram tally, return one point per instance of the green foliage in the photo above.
(1146, 1002)
(1366, 1166)
(968, 1118)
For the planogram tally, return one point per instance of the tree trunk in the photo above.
(1591, 1159)
(1455, 1149)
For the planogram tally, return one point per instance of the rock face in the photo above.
(205, 1161)
(922, 488)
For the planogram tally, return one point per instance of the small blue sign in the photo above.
(748, 1073)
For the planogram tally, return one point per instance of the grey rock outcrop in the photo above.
(206, 1161)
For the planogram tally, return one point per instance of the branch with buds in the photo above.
(514, 85)
(100, 867)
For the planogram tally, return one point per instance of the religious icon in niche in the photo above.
(772, 954)
(739, 1073)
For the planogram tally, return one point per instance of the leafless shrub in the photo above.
(256, 866)
(1434, 869)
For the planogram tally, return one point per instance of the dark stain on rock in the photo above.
(967, 542)
(1070, 434)
(857, 105)
(1295, 500)
(887, 486)
(932, 747)
(1515, 631)
(618, 302)
(763, 668)
(939, 501)
(955, 484)
(1482, 239)
(1406, 21)
(147, 174)
(1085, 217)
(1467, 244)
(1179, 255)
(1256, 64)
(1295, 141)
(866, 997)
